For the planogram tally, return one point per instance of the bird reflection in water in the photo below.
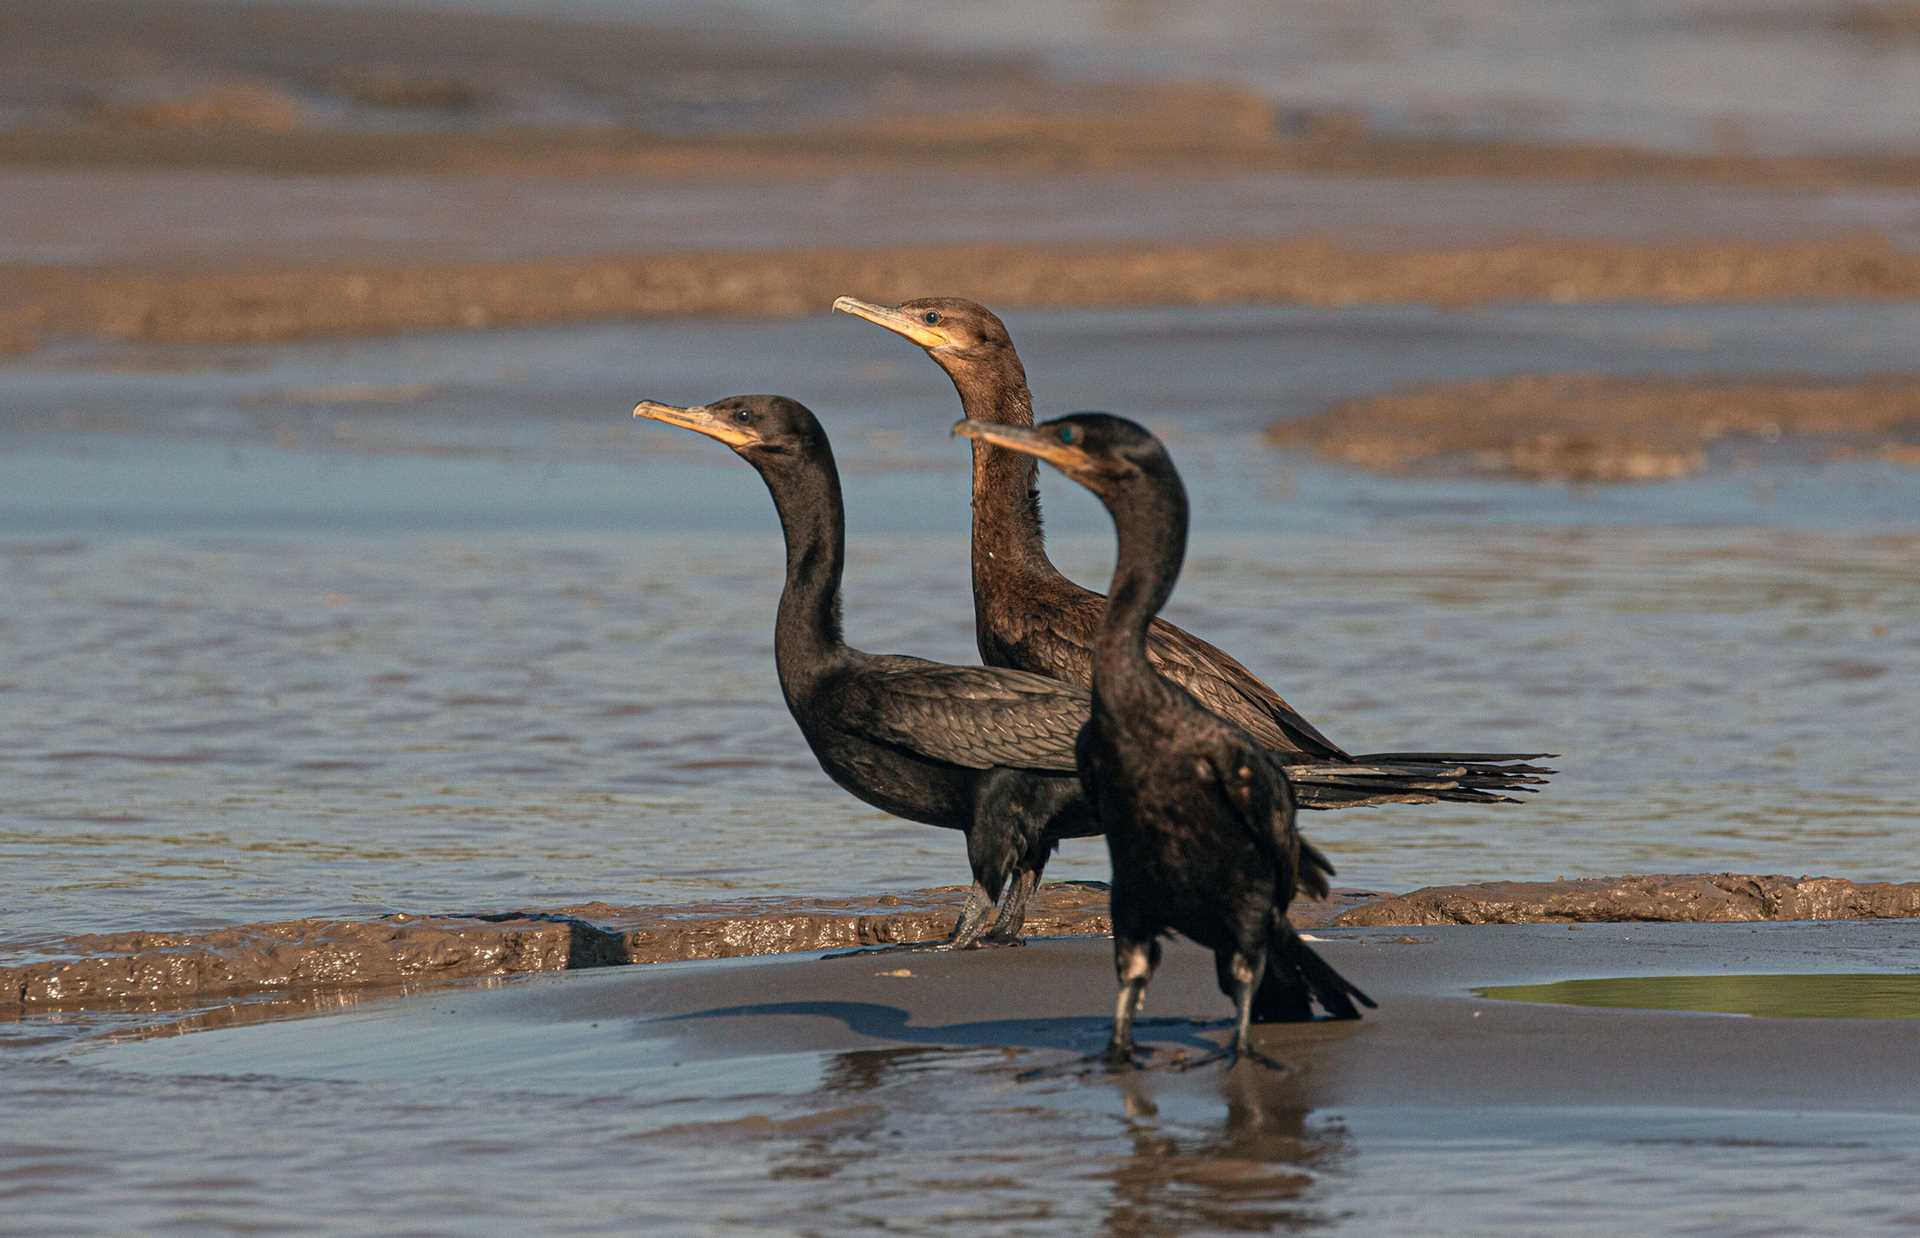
(1255, 1171)
(1093, 1152)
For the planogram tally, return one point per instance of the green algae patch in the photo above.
(1842, 995)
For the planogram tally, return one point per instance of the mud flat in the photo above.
(293, 303)
(1585, 428)
(160, 971)
(1431, 1042)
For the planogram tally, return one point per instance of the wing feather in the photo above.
(971, 716)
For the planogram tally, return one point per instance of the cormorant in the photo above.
(1198, 817)
(982, 750)
(1028, 616)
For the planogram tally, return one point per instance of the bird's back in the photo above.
(1198, 823)
(1047, 624)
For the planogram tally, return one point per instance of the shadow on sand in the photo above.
(1081, 1035)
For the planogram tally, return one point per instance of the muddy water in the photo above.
(430, 625)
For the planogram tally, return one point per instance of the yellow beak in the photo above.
(897, 321)
(697, 418)
(1028, 441)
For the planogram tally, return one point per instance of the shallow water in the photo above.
(570, 1104)
(919, 1140)
(931, 1141)
(1864, 995)
(432, 625)
(157, 217)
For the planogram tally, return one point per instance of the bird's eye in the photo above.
(931, 318)
(743, 415)
(1069, 435)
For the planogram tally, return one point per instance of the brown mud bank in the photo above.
(159, 971)
(1586, 428)
(266, 305)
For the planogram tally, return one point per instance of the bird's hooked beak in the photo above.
(897, 321)
(1073, 459)
(698, 418)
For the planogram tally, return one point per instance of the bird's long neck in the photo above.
(1007, 536)
(1150, 517)
(806, 634)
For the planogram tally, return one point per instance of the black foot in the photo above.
(997, 939)
(1106, 1062)
(1232, 1056)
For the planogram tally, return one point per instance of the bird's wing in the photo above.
(971, 716)
(1257, 792)
(1246, 783)
(1232, 691)
(1056, 635)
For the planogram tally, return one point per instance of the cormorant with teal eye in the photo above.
(1198, 817)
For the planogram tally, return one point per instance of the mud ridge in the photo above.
(1587, 428)
(268, 305)
(1705, 898)
(168, 971)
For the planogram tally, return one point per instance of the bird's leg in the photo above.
(1013, 911)
(966, 930)
(1245, 973)
(972, 921)
(1133, 963)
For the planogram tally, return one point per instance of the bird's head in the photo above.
(952, 330)
(761, 429)
(1104, 453)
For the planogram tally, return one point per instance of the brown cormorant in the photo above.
(1028, 616)
(1198, 816)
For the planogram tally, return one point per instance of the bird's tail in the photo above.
(1417, 778)
(1295, 971)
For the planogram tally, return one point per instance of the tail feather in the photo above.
(1297, 977)
(1416, 778)
(1296, 967)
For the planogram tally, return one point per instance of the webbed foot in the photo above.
(1111, 1060)
(1232, 1054)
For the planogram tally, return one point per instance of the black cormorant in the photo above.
(1028, 616)
(1198, 817)
(982, 750)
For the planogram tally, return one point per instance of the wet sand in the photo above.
(1430, 1044)
(1588, 428)
(918, 1091)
